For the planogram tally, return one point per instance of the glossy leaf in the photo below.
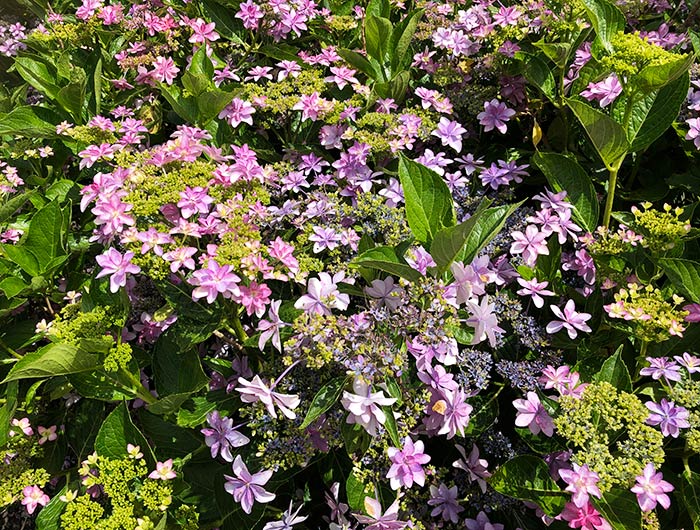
(526, 477)
(52, 360)
(429, 206)
(615, 372)
(116, 432)
(607, 20)
(684, 274)
(386, 259)
(608, 136)
(620, 508)
(324, 399)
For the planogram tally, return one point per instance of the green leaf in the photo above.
(537, 72)
(359, 62)
(102, 385)
(7, 412)
(565, 174)
(615, 372)
(662, 113)
(401, 39)
(356, 492)
(37, 73)
(212, 102)
(168, 440)
(227, 25)
(557, 52)
(429, 206)
(355, 438)
(684, 274)
(656, 76)
(47, 234)
(198, 76)
(29, 122)
(608, 136)
(169, 404)
(116, 432)
(21, 256)
(53, 360)
(465, 240)
(12, 286)
(385, 259)
(324, 399)
(526, 477)
(176, 371)
(378, 31)
(72, 97)
(607, 20)
(49, 516)
(391, 427)
(620, 508)
(690, 494)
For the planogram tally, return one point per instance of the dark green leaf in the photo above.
(684, 274)
(690, 494)
(176, 371)
(386, 259)
(391, 427)
(615, 372)
(608, 136)
(29, 122)
(429, 206)
(565, 174)
(116, 432)
(359, 62)
(620, 508)
(537, 72)
(656, 76)
(12, 286)
(526, 477)
(356, 493)
(401, 39)
(46, 234)
(324, 399)
(38, 74)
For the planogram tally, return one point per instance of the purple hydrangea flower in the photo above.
(246, 488)
(571, 320)
(495, 115)
(669, 417)
(407, 464)
(662, 367)
(445, 501)
(221, 436)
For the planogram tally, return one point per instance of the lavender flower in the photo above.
(662, 367)
(532, 414)
(445, 501)
(495, 115)
(571, 320)
(407, 464)
(246, 488)
(669, 417)
(364, 406)
(222, 436)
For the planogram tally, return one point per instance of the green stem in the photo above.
(140, 390)
(10, 350)
(612, 183)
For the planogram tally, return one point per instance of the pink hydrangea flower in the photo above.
(214, 280)
(117, 266)
(33, 496)
(535, 290)
(365, 406)
(532, 414)
(163, 471)
(571, 320)
(256, 390)
(604, 92)
(586, 518)
(651, 489)
(530, 244)
(407, 464)
(247, 488)
(582, 482)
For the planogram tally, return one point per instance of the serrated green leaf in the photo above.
(620, 508)
(53, 360)
(526, 477)
(563, 173)
(324, 399)
(608, 136)
(429, 207)
(116, 432)
(685, 276)
(378, 31)
(12, 286)
(607, 20)
(537, 72)
(615, 372)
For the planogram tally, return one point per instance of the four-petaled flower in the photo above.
(33, 496)
(163, 471)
